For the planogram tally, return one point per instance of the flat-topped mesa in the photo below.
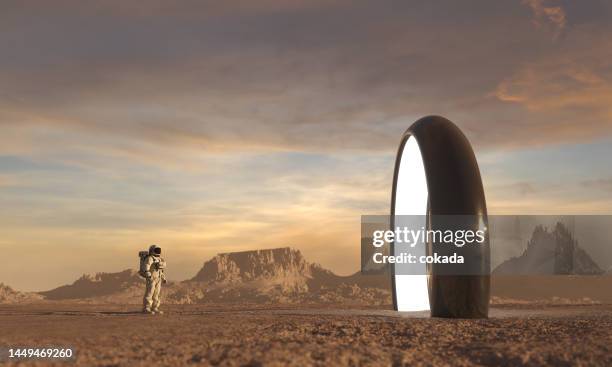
(253, 265)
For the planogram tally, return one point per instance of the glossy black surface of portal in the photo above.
(455, 188)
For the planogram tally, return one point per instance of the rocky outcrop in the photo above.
(553, 252)
(282, 269)
(252, 265)
(9, 295)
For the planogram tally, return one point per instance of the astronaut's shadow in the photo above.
(119, 313)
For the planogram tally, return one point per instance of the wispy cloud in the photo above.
(549, 16)
(170, 78)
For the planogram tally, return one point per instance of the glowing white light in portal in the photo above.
(411, 199)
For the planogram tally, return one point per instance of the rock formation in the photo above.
(553, 252)
(280, 275)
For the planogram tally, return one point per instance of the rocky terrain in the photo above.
(302, 335)
(553, 252)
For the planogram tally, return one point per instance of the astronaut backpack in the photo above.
(143, 258)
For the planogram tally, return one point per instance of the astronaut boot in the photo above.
(158, 311)
(147, 311)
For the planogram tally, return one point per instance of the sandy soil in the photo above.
(255, 335)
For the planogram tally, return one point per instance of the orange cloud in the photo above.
(558, 85)
(553, 17)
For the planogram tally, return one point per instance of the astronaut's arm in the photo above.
(146, 267)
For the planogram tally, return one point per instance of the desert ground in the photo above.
(257, 335)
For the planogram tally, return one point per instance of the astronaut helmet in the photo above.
(155, 250)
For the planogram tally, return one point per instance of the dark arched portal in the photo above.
(436, 174)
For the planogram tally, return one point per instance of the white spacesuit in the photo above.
(152, 268)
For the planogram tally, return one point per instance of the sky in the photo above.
(217, 126)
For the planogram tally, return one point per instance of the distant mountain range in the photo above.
(280, 275)
(283, 276)
(99, 285)
(554, 252)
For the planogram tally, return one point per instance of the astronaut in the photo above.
(152, 267)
